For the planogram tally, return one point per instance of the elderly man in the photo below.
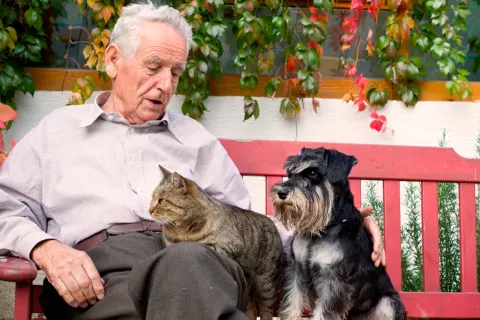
(75, 191)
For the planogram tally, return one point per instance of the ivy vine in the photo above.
(260, 28)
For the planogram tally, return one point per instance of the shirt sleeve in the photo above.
(23, 223)
(226, 182)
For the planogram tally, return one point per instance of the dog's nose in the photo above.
(282, 194)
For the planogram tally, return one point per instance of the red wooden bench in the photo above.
(390, 164)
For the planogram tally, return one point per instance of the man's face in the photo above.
(144, 84)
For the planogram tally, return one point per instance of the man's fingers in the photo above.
(374, 231)
(62, 290)
(384, 258)
(96, 281)
(74, 288)
(84, 284)
(365, 212)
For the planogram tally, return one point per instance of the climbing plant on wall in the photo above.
(22, 39)
(260, 27)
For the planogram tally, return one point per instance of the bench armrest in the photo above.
(15, 269)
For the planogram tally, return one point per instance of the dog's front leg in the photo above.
(295, 298)
(333, 299)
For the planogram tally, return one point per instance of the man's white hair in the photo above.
(126, 31)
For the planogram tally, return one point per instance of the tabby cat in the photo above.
(251, 239)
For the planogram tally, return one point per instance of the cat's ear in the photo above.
(179, 182)
(166, 174)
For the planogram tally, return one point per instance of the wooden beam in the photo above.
(48, 79)
(341, 4)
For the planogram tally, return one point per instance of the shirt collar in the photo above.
(95, 111)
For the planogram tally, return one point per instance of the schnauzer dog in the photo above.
(331, 249)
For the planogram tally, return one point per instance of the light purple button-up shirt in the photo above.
(80, 170)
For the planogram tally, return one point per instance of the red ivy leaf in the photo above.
(374, 8)
(379, 122)
(291, 66)
(6, 114)
(376, 125)
(357, 5)
(361, 103)
(361, 81)
(313, 11)
(351, 70)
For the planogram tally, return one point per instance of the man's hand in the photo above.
(378, 255)
(70, 271)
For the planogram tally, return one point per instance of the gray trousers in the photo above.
(145, 280)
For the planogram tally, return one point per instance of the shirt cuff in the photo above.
(30, 240)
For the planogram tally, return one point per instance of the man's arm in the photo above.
(23, 223)
(223, 178)
(23, 226)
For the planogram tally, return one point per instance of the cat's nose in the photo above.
(151, 209)
(282, 194)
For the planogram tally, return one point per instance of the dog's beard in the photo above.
(305, 214)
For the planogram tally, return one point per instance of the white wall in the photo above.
(335, 121)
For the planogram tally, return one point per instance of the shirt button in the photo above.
(146, 130)
(110, 117)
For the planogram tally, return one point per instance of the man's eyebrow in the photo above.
(154, 59)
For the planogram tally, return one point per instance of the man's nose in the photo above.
(163, 80)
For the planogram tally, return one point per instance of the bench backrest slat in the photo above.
(391, 200)
(377, 162)
(430, 247)
(468, 249)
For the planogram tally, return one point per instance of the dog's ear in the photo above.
(339, 165)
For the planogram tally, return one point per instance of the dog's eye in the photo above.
(312, 173)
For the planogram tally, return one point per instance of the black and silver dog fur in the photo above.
(331, 249)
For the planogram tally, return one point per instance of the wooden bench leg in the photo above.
(23, 301)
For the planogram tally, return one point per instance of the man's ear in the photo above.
(112, 57)
(339, 165)
(179, 182)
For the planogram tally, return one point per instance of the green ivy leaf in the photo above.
(13, 33)
(272, 86)
(438, 48)
(215, 28)
(326, 5)
(279, 27)
(313, 60)
(31, 16)
(3, 40)
(408, 95)
(463, 72)
(309, 84)
(376, 97)
(460, 24)
(423, 43)
(27, 85)
(273, 4)
(446, 66)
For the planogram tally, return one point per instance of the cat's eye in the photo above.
(160, 201)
